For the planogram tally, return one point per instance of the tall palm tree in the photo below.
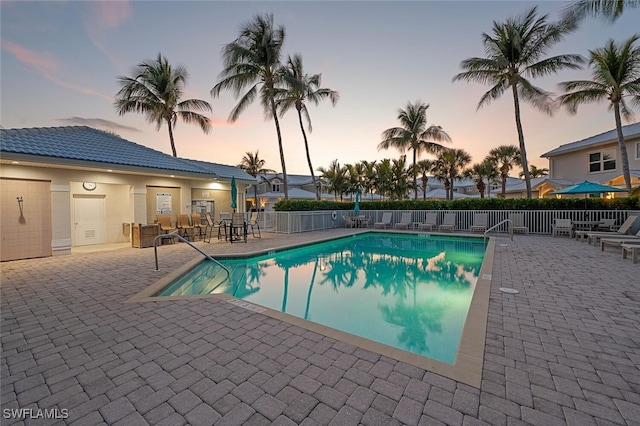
(299, 89)
(610, 10)
(156, 90)
(254, 165)
(252, 60)
(536, 172)
(615, 76)
(515, 53)
(504, 158)
(414, 135)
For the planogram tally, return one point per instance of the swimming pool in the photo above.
(408, 291)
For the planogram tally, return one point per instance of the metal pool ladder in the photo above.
(174, 235)
(509, 221)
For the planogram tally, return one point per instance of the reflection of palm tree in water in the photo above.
(249, 282)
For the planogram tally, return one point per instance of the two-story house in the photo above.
(597, 158)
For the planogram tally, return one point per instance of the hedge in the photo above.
(623, 203)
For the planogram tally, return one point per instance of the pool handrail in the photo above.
(180, 237)
(498, 224)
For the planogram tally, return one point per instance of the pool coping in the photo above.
(467, 367)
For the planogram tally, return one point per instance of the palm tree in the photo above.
(252, 60)
(369, 181)
(414, 135)
(615, 76)
(384, 178)
(399, 175)
(536, 172)
(479, 172)
(505, 158)
(336, 176)
(156, 90)
(514, 53)
(610, 10)
(300, 89)
(423, 168)
(452, 162)
(254, 165)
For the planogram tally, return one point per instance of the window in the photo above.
(275, 186)
(602, 161)
(637, 150)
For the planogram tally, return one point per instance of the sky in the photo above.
(60, 61)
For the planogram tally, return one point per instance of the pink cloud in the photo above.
(43, 62)
(110, 14)
(47, 66)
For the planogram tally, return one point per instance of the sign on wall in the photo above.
(163, 203)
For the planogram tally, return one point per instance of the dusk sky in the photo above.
(60, 61)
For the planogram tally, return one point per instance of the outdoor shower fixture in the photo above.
(21, 219)
(19, 201)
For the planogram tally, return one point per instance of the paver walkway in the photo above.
(564, 350)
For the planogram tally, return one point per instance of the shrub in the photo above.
(623, 203)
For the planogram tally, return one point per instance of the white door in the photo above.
(89, 220)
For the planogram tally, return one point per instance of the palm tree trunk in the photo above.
(623, 148)
(415, 176)
(306, 148)
(523, 150)
(282, 163)
(504, 185)
(173, 145)
(255, 197)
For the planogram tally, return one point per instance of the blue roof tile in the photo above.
(81, 143)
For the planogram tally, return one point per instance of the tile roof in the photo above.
(85, 144)
(606, 137)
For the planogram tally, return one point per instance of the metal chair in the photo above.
(253, 222)
(238, 228)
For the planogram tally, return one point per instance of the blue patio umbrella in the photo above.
(234, 193)
(357, 207)
(587, 187)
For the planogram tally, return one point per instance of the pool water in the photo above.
(408, 291)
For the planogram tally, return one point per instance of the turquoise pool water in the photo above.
(408, 291)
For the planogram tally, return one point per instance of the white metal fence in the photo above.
(538, 221)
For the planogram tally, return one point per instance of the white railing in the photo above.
(538, 221)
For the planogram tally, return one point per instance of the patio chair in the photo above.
(184, 226)
(196, 222)
(210, 226)
(517, 222)
(349, 222)
(448, 223)
(606, 225)
(225, 221)
(405, 221)
(618, 241)
(164, 220)
(624, 228)
(480, 222)
(562, 226)
(633, 249)
(253, 223)
(238, 229)
(386, 221)
(430, 222)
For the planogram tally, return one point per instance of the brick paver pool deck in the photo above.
(564, 350)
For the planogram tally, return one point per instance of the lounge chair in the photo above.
(606, 225)
(405, 221)
(633, 249)
(386, 221)
(430, 222)
(448, 223)
(253, 223)
(624, 228)
(480, 222)
(517, 222)
(562, 226)
(618, 241)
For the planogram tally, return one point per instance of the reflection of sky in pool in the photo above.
(407, 291)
